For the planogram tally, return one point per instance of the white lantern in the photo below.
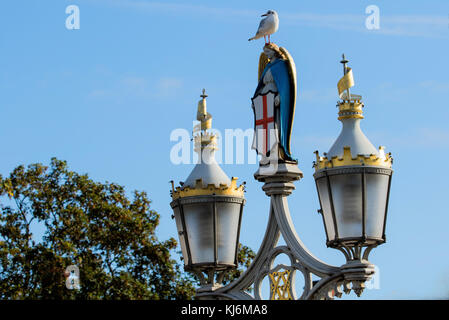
(208, 207)
(353, 181)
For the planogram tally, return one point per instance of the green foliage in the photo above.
(244, 257)
(92, 225)
(88, 224)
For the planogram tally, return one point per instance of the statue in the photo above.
(273, 104)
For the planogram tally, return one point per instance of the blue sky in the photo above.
(107, 96)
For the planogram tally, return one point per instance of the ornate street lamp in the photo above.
(208, 210)
(353, 182)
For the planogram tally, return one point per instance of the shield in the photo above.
(265, 131)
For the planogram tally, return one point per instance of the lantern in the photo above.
(353, 181)
(208, 207)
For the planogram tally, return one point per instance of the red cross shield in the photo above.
(265, 134)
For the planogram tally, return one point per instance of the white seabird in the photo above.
(267, 26)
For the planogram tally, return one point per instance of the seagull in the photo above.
(267, 26)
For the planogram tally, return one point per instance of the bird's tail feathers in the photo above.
(257, 36)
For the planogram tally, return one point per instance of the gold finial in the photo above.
(351, 105)
(202, 115)
(348, 79)
(203, 138)
(344, 62)
(204, 95)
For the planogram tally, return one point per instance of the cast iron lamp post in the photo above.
(353, 183)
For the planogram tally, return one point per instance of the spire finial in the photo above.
(345, 70)
(204, 95)
(203, 138)
(344, 62)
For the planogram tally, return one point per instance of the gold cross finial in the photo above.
(345, 71)
(204, 95)
(344, 62)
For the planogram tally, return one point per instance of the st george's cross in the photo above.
(265, 133)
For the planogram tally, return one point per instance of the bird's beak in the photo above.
(264, 15)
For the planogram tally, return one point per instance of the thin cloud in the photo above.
(433, 137)
(134, 84)
(423, 138)
(427, 26)
(318, 95)
(180, 8)
(130, 86)
(169, 85)
(435, 86)
(316, 142)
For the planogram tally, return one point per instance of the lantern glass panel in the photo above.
(376, 201)
(181, 235)
(227, 226)
(323, 192)
(347, 197)
(200, 231)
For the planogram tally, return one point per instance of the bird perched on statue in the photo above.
(267, 26)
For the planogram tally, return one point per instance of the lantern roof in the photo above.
(207, 177)
(352, 147)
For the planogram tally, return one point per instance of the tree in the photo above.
(93, 226)
(244, 258)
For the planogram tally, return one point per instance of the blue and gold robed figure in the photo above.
(274, 104)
